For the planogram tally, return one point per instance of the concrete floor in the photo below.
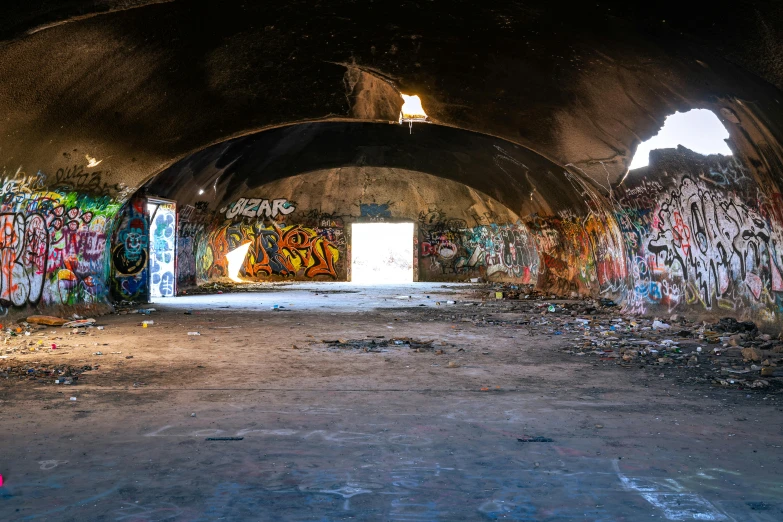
(515, 430)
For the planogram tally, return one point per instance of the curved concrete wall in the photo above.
(299, 228)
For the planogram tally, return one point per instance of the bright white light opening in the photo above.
(412, 109)
(236, 258)
(382, 253)
(698, 130)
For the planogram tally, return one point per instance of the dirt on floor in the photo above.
(430, 403)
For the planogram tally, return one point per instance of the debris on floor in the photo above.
(46, 374)
(382, 345)
(79, 323)
(727, 353)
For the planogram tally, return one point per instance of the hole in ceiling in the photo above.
(699, 130)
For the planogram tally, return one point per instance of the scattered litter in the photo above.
(73, 398)
(80, 323)
(658, 325)
(194, 333)
(145, 324)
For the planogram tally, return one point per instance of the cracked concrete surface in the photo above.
(334, 434)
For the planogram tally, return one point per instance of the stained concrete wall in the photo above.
(299, 228)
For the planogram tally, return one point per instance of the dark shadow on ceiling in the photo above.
(521, 179)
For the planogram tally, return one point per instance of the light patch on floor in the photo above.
(382, 253)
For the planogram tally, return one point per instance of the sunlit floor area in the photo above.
(334, 297)
(392, 403)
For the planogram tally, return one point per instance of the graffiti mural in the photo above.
(130, 254)
(186, 261)
(449, 247)
(701, 245)
(53, 243)
(162, 249)
(257, 208)
(293, 251)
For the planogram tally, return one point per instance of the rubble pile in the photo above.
(727, 353)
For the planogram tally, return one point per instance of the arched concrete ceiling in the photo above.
(517, 177)
(142, 84)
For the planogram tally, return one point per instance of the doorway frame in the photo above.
(153, 200)
(414, 245)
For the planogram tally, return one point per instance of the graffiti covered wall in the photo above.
(449, 249)
(54, 237)
(130, 253)
(276, 250)
(162, 249)
(702, 236)
(296, 232)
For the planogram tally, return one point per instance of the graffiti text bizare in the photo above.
(256, 207)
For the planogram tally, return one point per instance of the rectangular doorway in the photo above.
(382, 253)
(163, 241)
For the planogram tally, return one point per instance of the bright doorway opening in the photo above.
(382, 253)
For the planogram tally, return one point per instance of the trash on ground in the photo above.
(79, 323)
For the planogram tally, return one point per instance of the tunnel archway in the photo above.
(677, 236)
(131, 92)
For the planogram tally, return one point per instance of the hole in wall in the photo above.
(381, 253)
(699, 130)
